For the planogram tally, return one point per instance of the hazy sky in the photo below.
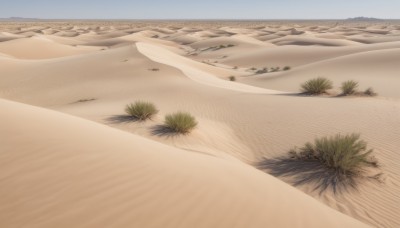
(200, 9)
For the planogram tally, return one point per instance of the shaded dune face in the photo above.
(70, 157)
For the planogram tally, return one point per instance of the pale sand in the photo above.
(63, 171)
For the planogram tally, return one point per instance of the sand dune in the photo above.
(32, 48)
(72, 175)
(73, 172)
(362, 67)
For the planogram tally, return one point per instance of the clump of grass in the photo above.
(349, 87)
(180, 122)
(286, 68)
(262, 71)
(316, 86)
(232, 78)
(275, 69)
(141, 110)
(370, 92)
(235, 67)
(346, 155)
(154, 69)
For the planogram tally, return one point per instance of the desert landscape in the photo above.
(73, 153)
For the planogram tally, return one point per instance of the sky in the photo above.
(200, 9)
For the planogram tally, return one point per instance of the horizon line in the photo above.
(201, 19)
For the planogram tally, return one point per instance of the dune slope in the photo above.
(76, 173)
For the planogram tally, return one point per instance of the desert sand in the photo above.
(70, 158)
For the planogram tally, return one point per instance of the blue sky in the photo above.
(201, 9)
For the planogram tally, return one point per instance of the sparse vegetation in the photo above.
(275, 69)
(232, 78)
(370, 92)
(316, 86)
(349, 87)
(262, 71)
(180, 122)
(154, 69)
(141, 110)
(222, 46)
(286, 68)
(346, 155)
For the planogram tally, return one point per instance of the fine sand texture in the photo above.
(70, 157)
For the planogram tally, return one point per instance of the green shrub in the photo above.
(180, 122)
(346, 155)
(141, 110)
(232, 78)
(370, 92)
(349, 87)
(316, 86)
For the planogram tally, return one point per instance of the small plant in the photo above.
(370, 92)
(253, 69)
(275, 69)
(349, 87)
(180, 122)
(141, 110)
(230, 45)
(235, 67)
(286, 68)
(346, 155)
(232, 78)
(262, 71)
(154, 69)
(316, 86)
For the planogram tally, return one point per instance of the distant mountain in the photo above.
(364, 19)
(19, 19)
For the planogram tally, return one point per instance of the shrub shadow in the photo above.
(117, 119)
(163, 131)
(308, 172)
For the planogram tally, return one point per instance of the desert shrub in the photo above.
(316, 86)
(180, 122)
(349, 87)
(370, 92)
(141, 110)
(287, 68)
(275, 69)
(262, 71)
(346, 155)
(232, 78)
(154, 69)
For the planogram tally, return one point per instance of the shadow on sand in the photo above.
(117, 119)
(163, 131)
(308, 172)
